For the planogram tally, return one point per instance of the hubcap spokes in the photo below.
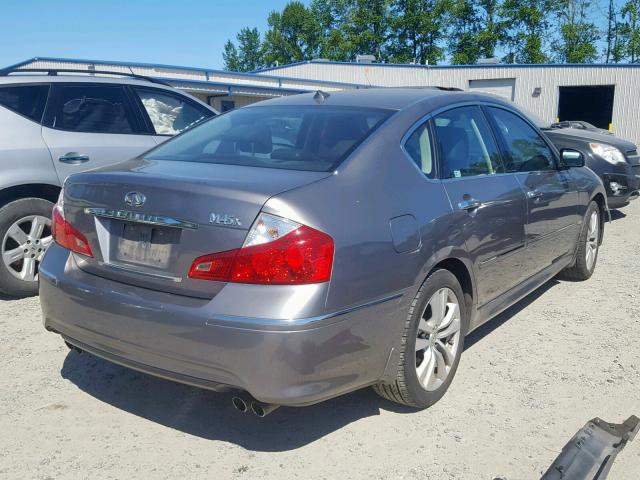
(438, 339)
(592, 240)
(24, 245)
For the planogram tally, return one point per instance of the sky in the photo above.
(173, 32)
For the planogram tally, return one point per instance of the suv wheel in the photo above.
(431, 344)
(25, 234)
(588, 246)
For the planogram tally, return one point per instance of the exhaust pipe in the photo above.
(262, 409)
(242, 402)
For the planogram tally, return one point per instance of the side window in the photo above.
(92, 109)
(527, 151)
(27, 100)
(465, 145)
(418, 147)
(170, 114)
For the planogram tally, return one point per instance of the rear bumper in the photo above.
(287, 362)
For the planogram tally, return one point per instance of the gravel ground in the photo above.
(527, 382)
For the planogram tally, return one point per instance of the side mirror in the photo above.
(571, 158)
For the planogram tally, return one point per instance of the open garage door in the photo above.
(503, 87)
(593, 104)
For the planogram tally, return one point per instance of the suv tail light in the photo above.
(276, 251)
(67, 236)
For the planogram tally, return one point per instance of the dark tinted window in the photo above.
(92, 108)
(314, 138)
(27, 100)
(527, 151)
(169, 113)
(465, 144)
(418, 146)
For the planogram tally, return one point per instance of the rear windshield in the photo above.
(314, 138)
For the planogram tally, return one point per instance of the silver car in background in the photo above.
(56, 123)
(305, 247)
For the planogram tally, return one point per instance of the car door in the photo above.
(92, 125)
(168, 113)
(552, 193)
(489, 207)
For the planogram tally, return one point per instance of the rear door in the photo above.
(91, 125)
(552, 194)
(168, 113)
(489, 205)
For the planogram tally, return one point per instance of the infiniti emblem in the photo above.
(135, 199)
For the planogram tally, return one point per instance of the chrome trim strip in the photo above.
(138, 217)
(254, 323)
(139, 272)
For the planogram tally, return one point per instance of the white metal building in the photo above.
(605, 95)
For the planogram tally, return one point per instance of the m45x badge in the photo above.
(224, 219)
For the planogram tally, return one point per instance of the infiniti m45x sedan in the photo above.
(308, 246)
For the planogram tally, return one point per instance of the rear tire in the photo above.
(25, 234)
(419, 384)
(588, 246)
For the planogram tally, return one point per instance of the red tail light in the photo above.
(67, 236)
(302, 255)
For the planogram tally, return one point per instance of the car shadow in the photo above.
(617, 215)
(6, 298)
(496, 322)
(210, 415)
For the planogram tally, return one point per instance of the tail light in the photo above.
(276, 251)
(67, 236)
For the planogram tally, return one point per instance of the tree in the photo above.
(293, 35)
(331, 16)
(418, 28)
(578, 36)
(611, 37)
(248, 55)
(367, 28)
(630, 30)
(491, 31)
(528, 23)
(463, 44)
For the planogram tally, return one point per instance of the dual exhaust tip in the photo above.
(245, 403)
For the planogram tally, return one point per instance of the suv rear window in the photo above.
(27, 100)
(291, 138)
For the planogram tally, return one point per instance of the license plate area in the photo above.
(145, 245)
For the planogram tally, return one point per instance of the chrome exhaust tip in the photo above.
(241, 402)
(263, 409)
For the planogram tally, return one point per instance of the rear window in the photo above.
(27, 100)
(292, 138)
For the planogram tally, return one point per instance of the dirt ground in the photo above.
(527, 382)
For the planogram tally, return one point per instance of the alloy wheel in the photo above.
(24, 244)
(438, 339)
(593, 232)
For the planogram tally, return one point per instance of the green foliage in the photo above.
(528, 22)
(578, 35)
(248, 55)
(630, 31)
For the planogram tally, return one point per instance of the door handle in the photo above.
(470, 205)
(73, 158)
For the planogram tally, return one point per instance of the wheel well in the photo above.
(602, 206)
(461, 272)
(34, 190)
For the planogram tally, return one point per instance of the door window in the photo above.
(418, 147)
(92, 109)
(27, 100)
(170, 114)
(527, 151)
(465, 144)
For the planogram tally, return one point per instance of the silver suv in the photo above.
(56, 123)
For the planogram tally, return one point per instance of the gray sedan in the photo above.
(359, 252)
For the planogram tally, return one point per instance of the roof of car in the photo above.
(385, 98)
(32, 77)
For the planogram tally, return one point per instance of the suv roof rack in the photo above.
(55, 71)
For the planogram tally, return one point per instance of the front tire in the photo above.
(25, 234)
(588, 246)
(432, 343)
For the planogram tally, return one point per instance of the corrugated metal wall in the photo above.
(626, 108)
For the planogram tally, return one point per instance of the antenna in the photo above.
(320, 96)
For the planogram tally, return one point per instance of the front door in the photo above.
(489, 206)
(91, 125)
(552, 194)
